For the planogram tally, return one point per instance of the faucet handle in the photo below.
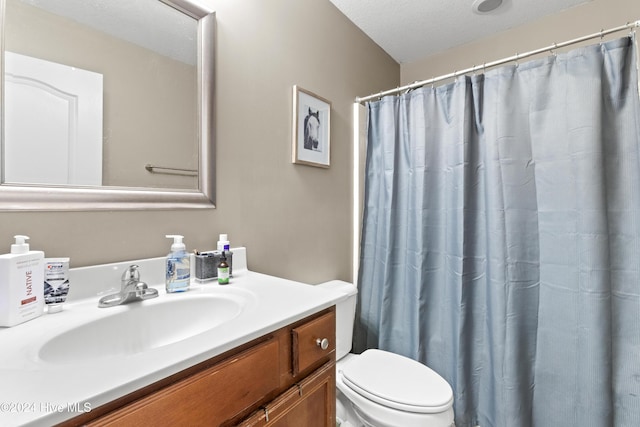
(131, 273)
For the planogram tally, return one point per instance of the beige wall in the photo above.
(569, 24)
(294, 219)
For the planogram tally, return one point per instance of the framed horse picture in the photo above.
(311, 127)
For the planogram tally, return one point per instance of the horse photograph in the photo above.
(311, 129)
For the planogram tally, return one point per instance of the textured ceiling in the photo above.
(410, 30)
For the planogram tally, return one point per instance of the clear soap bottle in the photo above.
(178, 270)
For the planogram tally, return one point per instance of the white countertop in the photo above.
(35, 392)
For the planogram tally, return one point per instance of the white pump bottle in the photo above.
(21, 283)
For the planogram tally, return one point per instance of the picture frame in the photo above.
(311, 142)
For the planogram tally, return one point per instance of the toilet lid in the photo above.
(397, 382)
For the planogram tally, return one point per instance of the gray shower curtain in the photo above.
(501, 238)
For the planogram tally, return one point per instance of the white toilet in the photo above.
(382, 389)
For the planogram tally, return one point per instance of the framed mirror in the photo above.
(106, 105)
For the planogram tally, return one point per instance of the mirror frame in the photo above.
(26, 197)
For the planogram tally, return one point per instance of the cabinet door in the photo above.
(208, 398)
(311, 403)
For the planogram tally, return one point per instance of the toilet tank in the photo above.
(345, 315)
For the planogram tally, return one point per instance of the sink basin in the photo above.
(138, 327)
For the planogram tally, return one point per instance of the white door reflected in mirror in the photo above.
(53, 122)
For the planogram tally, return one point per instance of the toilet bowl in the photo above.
(382, 389)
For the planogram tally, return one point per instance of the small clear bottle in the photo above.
(178, 270)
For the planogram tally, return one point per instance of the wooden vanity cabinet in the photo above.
(285, 378)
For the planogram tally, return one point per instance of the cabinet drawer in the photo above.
(210, 397)
(309, 339)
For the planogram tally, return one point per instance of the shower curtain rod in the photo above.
(516, 57)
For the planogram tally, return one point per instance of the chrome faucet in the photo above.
(132, 289)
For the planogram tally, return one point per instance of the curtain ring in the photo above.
(517, 57)
(553, 51)
(411, 88)
(433, 81)
(601, 35)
